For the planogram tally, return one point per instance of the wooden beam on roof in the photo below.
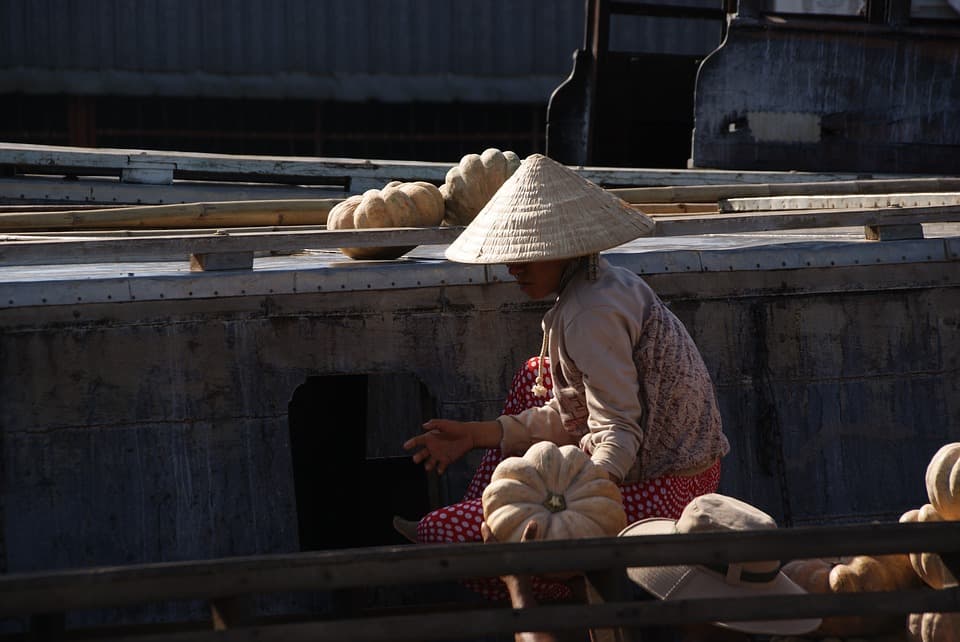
(740, 222)
(179, 215)
(846, 201)
(180, 247)
(713, 193)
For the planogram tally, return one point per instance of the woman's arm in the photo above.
(520, 587)
(444, 441)
(600, 344)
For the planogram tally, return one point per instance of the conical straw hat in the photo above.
(547, 211)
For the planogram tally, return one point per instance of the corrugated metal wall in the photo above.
(394, 50)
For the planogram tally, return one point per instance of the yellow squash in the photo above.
(416, 204)
(470, 184)
(943, 481)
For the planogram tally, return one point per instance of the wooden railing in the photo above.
(343, 175)
(238, 245)
(227, 583)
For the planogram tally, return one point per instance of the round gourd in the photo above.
(929, 567)
(416, 204)
(469, 185)
(558, 487)
(868, 573)
(873, 573)
(812, 575)
(933, 627)
(943, 481)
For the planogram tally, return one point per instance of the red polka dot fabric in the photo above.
(659, 497)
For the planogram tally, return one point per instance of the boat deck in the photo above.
(329, 270)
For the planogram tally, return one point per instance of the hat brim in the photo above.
(694, 582)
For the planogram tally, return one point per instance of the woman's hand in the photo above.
(519, 586)
(443, 442)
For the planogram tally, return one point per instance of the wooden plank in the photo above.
(137, 233)
(148, 173)
(194, 165)
(803, 219)
(714, 193)
(37, 189)
(174, 216)
(404, 565)
(52, 207)
(652, 209)
(841, 201)
(180, 247)
(448, 625)
(176, 247)
(51, 158)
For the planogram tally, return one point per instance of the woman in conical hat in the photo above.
(618, 374)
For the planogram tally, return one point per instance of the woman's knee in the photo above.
(454, 523)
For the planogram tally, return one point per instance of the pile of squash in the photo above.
(466, 189)
(398, 204)
(473, 181)
(895, 572)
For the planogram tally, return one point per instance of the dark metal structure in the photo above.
(627, 107)
(874, 91)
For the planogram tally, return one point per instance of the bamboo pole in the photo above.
(692, 199)
(713, 193)
(174, 216)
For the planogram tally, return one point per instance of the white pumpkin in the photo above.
(560, 488)
(943, 481)
(929, 566)
(933, 627)
(398, 204)
(469, 184)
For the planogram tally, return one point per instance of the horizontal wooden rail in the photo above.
(680, 193)
(740, 222)
(176, 247)
(355, 175)
(43, 250)
(40, 592)
(470, 623)
(180, 215)
(153, 166)
(839, 201)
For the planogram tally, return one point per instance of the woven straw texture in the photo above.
(547, 211)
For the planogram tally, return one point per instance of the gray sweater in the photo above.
(629, 384)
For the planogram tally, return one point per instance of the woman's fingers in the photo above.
(486, 533)
(429, 461)
(418, 441)
(431, 456)
(530, 531)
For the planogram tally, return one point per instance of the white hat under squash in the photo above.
(711, 513)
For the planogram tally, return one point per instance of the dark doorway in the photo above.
(350, 473)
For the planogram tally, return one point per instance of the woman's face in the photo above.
(537, 279)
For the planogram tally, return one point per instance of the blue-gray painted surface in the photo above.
(158, 430)
(393, 50)
(779, 95)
